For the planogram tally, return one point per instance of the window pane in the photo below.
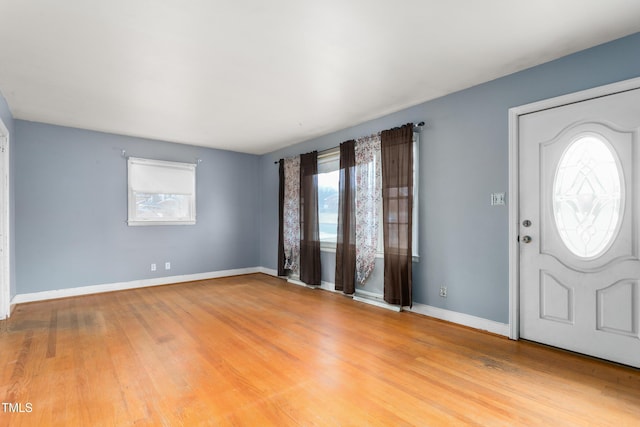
(403, 211)
(328, 205)
(162, 206)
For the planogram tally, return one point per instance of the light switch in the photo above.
(497, 199)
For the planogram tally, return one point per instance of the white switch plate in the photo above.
(167, 266)
(497, 199)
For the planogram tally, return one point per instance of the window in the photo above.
(588, 200)
(328, 176)
(161, 193)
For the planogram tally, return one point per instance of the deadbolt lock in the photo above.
(526, 223)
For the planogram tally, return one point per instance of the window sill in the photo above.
(133, 223)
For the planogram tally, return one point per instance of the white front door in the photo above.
(579, 201)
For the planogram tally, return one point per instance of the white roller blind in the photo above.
(161, 177)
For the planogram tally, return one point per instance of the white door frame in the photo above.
(5, 274)
(514, 173)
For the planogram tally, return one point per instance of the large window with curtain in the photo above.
(328, 186)
(358, 200)
(377, 171)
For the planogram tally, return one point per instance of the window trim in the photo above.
(133, 220)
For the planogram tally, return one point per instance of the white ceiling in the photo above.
(255, 75)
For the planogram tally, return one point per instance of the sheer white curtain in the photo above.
(291, 214)
(368, 203)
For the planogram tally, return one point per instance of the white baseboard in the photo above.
(296, 281)
(328, 286)
(269, 271)
(374, 299)
(369, 294)
(325, 286)
(377, 300)
(377, 303)
(143, 283)
(461, 318)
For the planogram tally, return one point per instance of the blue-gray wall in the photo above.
(7, 119)
(71, 206)
(463, 159)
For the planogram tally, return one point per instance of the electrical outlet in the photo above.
(443, 291)
(153, 267)
(167, 265)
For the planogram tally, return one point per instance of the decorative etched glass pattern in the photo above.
(587, 196)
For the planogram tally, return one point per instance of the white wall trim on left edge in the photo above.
(461, 319)
(5, 224)
(134, 284)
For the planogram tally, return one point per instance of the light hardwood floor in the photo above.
(255, 351)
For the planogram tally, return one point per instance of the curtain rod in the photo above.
(419, 125)
(123, 154)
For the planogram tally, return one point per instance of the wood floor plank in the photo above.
(254, 350)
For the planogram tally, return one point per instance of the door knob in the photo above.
(526, 239)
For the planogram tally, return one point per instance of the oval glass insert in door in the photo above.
(587, 196)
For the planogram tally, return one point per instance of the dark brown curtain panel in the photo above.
(397, 203)
(309, 228)
(346, 240)
(281, 257)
